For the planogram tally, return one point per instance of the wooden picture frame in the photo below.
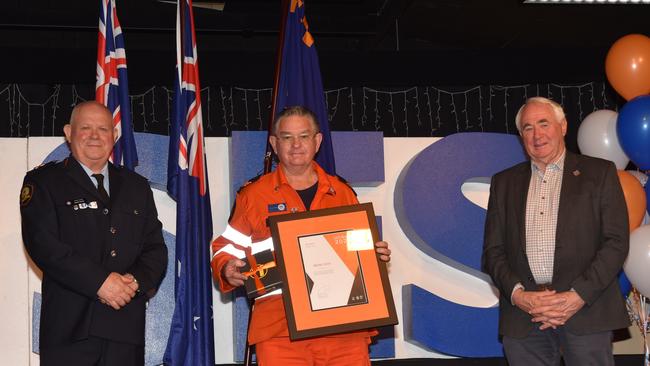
(333, 279)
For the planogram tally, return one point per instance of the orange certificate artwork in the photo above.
(333, 279)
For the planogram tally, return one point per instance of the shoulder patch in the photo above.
(26, 194)
(252, 180)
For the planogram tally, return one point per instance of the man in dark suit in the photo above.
(92, 228)
(556, 236)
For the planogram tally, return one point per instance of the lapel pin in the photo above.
(576, 172)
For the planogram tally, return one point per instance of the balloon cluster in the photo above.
(626, 136)
(621, 137)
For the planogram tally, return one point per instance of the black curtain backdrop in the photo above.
(417, 111)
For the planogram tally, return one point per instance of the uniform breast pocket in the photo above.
(80, 212)
(78, 221)
(265, 219)
(128, 225)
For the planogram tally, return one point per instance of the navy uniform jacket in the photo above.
(77, 241)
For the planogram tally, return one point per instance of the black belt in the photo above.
(544, 287)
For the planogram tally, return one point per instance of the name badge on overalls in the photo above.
(277, 207)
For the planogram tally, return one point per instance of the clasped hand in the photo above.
(118, 290)
(549, 308)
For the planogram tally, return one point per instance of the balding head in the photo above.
(90, 134)
(89, 106)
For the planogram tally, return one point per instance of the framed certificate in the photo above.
(334, 281)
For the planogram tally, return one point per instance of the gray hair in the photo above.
(297, 110)
(557, 109)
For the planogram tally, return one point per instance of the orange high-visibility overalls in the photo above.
(271, 195)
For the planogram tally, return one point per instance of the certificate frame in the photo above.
(303, 319)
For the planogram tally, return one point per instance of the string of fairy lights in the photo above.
(42, 110)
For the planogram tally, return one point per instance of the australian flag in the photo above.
(191, 338)
(112, 87)
(300, 80)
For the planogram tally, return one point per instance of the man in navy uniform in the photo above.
(92, 228)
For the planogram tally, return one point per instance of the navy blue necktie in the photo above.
(100, 188)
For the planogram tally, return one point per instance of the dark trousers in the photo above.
(546, 347)
(93, 352)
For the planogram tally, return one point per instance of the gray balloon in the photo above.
(637, 264)
(597, 137)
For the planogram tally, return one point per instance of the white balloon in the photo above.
(597, 137)
(641, 176)
(637, 264)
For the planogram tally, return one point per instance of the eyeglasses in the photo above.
(292, 139)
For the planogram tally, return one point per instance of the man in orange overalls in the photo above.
(298, 184)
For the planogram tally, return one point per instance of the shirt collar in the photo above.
(90, 173)
(557, 165)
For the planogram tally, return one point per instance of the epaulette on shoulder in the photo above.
(346, 183)
(252, 180)
(44, 166)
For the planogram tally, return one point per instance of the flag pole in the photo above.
(268, 156)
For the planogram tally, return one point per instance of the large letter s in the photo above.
(437, 218)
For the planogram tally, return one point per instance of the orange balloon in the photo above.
(628, 66)
(634, 198)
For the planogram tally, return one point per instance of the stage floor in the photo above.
(621, 360)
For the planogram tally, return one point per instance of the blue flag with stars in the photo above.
(300, 80)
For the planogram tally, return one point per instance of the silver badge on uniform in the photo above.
(81, 204)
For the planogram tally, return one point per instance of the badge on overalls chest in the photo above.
(277, 207)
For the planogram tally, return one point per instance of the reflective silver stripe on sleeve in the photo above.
(263, 245)
(236, 236)
(243, 240)
(230, 249)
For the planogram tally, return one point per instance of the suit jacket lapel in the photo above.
(570, 183)
(521, 196)
(115, 181)
(77, 173)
